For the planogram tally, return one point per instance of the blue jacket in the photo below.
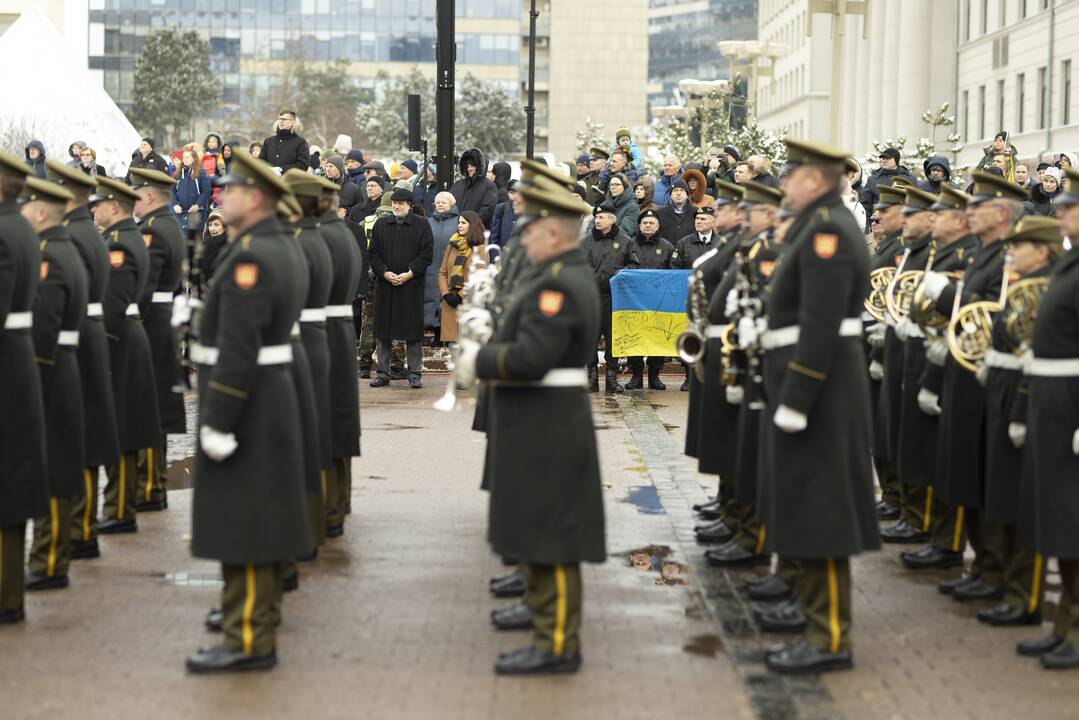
(423, 195)
(502, 224)
(661, 192)
(190, 191)
(443, 226)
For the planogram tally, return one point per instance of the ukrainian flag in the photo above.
(648, 311)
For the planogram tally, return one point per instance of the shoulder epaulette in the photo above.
(556, 268)
(823, 213)
(116, 236)
(150, 221)
(245, 241)
(296, 233)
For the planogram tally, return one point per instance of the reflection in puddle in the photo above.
(703, 645)
(656, 558)
(194, 579)
(646, 498)
(178, 474)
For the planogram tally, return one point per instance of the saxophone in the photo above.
(690, 343)
(475, 321)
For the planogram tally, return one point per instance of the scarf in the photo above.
(464, 252)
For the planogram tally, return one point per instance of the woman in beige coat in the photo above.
(453, 274)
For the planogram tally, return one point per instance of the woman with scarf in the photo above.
(453, 274)
(1042, 195)
(88, 163)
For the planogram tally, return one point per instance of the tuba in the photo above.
(970, 332)
(1021, 310)
(876, 303)
(690, 343)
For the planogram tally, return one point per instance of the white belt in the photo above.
(19, 320)
(161, 297)
(1002, 360)
(715, 332)
(68, 338)
(94, 310)
(132, 310)
(559, 377)
(1053, 367)
(338, 311)
(784, 336)
(314, 314)
(268, 354)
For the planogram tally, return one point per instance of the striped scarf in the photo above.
(464, 252)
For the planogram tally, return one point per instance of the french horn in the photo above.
(1021, 310)
(970, 332)
(923, 309)
(876, 303)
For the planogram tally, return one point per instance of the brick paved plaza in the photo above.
(392, 620)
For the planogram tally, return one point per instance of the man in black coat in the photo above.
(474, 191)
(546, 507)
(248, 511)
(676, 217)
(653, 253)
(608, 250)
(24, 490)
(134, 392)
(817, 479)
(146, 157)
(165, 242)
(58, 313)
(99, 409)
(401, 249)
(285, 149)
(888, 171)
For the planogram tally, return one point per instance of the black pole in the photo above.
(530, 108)
(445, 53)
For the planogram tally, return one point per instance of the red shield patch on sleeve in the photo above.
(246, 275)
(116, 258)
(767, 267)
(148, 239)
(551, 302)
(44, 269)
(825, 245)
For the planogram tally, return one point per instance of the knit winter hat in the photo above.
(356, 155)
(411, 165)
(621, 133)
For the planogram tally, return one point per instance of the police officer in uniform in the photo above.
(536, 367)
(953, 249)
(1052, 438)
(134, 393)
(817, 478)
(992, 211)
(348, 271)
(24, 490)
(58, 314)
(249, 510)
(653, 252)
(165, 242)
(95, 376)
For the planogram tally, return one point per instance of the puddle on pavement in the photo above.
(178, 474)
(394, 426)
(703, 645)
(194, 579)
(646, 498)
(657, 559)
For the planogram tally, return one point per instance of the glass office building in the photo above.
(684, 37)
(249, 39)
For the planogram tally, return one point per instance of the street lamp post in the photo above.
(746, 55)
(839, 10)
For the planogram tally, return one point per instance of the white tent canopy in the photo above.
(49, 96)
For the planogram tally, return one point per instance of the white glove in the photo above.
(730, 308)
(790, 420)
(1018, 434)
(902, 329)
(1075, 442)
(982, 374)
(217, 445)
(929, 402)
(875, 335)
(181, 311)
(464, 362)
(735, 394)
(937, 352)
(934, 284)
(876, 370)
(747, 332)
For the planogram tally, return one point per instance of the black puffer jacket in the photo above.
(286, 150)
(880, 176)
(475, 193)
(933, 186)
(153, 161)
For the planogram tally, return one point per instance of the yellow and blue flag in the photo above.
(648, 311)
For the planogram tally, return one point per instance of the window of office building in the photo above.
(1002, 13)
(1043, 97)
(1066, 92)
(1020, 100)
(984, 20)
(966, 114)
(1000, 103)
(981, 111)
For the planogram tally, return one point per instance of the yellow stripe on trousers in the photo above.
(1035, 587)
(833, 606)
(760, 541)
(1, 560)
(322, 474)
(123, 485)
(89, 480)
(150, 472)
(958, 529)
(54, 535)
(928, 509)
(559, 638)
(249, 610)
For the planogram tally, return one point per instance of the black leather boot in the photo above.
(612, 385)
